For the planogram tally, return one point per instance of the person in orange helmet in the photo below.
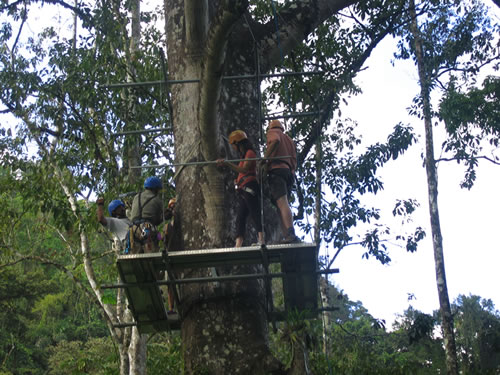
(247, 187)
(281, 175)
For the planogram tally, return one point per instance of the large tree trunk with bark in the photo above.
(224, 327)
(432, 185)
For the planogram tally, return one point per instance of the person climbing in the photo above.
(281, 174)
(118, 223)
(247, 188)
(146, 215)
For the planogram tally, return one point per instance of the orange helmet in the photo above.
(275, 124)
(171, 202)
(237, 136)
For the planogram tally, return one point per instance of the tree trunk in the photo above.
(137, 353)
(224, 328)
(432, 185)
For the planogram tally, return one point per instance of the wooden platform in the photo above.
(138, 273)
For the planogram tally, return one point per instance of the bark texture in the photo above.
(224, 327)
(432, 185)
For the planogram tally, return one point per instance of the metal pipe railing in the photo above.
(195, 280)
(143, 131)
(203, 162)
(225, 78)
(273, 117)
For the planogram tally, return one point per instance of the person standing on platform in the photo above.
(281, 174)
(247, 188)
(147, 213)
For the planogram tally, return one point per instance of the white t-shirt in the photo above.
(119, 227)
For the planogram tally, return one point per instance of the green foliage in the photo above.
(459, 41)
(165, 355)
(96, 356)
(39, 305)
(477, 325)
(457, 36)
(471, 119)
(20, 287)
(479, 107)
(357, 343)
(362, 345)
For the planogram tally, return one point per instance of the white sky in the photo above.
(468, 218)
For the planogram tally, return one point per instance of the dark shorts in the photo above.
(280, 183)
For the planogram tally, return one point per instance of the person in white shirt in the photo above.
(118, 223)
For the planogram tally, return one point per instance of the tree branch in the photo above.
(471, 158)
(78, 11)
(84, 16)
(300, 19)
(12, 5)
(13, 49)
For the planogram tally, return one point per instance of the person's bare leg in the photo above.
(285, 214)
(239, 242)
(261, 237)
(170, 298)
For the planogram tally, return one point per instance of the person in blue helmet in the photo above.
(147, 213)
(118, 222)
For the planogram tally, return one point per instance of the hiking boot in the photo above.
(258, 243)
(291, 238)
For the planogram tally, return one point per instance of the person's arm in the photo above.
(100, 212)
(247, 165)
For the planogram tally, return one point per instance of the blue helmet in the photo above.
(152, 183)
(113, 205)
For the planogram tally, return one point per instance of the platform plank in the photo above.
(224, 256)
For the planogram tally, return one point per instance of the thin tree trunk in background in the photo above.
(323, 281)
(133, 143)
(317, 218)
(75, 24)
(138, 343)
(432, 185)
